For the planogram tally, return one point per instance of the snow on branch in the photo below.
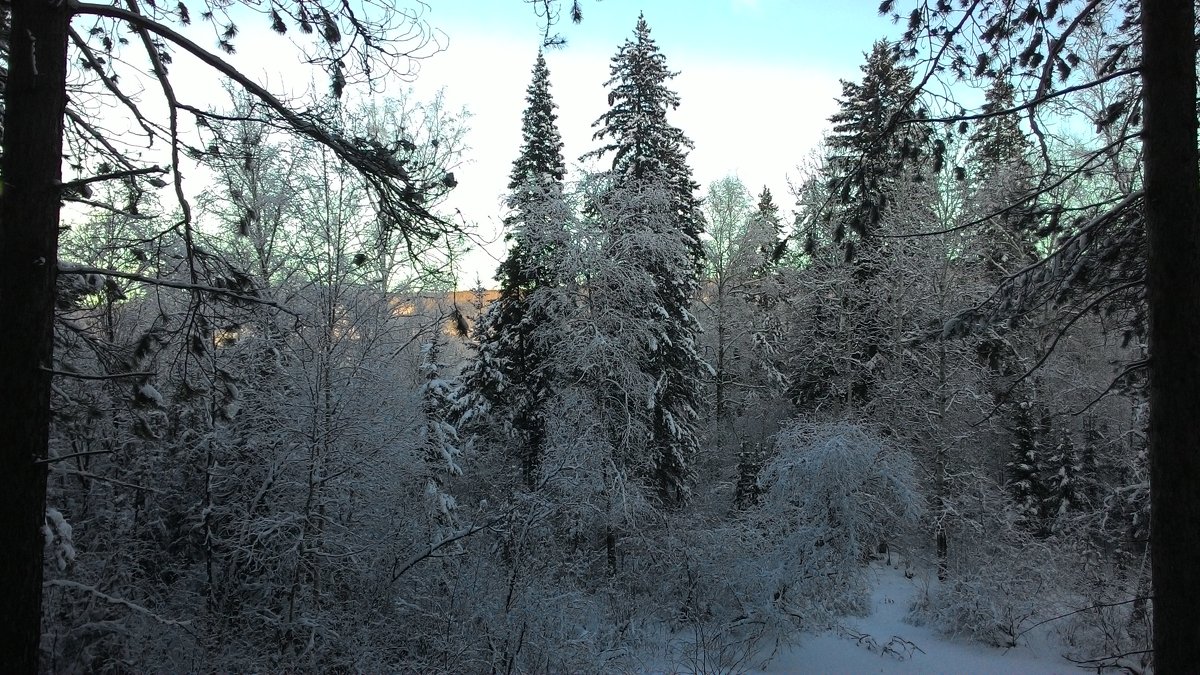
(113, 600)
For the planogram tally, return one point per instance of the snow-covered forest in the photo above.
(254, 424)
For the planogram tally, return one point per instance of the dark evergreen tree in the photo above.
(648, 152)
(873, 149)
(998, 142)
(870, 147)
(1002, 181)
(510, 376)
(747, 491)
(1003, 174)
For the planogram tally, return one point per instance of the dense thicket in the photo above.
(681, 433)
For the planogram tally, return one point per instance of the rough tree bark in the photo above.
(29, 210)
(1172, 182)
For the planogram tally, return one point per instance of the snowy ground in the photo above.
(884, 643)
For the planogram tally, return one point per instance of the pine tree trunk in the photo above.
(29, 204)
(1172, 183)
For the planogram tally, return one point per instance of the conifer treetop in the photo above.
(865, 153)
(999, 141)
(635, 125)
(767, 211)
(867, 107)
(541, 143)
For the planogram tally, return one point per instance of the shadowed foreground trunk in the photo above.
(1172, 182)
(29, 210)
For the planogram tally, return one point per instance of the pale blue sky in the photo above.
(757, 82)
(812, 33)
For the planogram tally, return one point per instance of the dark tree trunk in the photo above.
(1172, 181)
(29, 205)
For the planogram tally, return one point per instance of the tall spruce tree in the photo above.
(870, 157)
(648, 151)
(869, 149)
(510, 376)
(644, 145)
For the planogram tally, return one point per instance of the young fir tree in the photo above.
(765, 291)
(439, 439)
(1064, 479)
(1026, 473)
(766, 227)
(510, 376)
(648, 151)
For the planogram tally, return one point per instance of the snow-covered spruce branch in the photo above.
(113, 600)
(71, 268)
